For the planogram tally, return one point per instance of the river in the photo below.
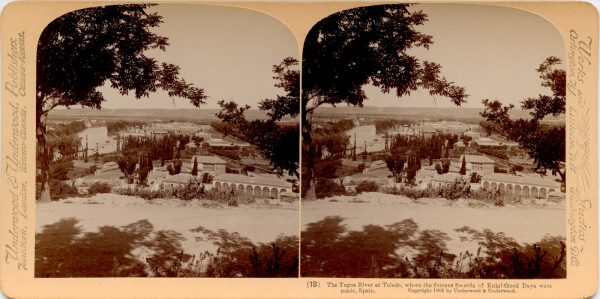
(366, 134)
(97, 137)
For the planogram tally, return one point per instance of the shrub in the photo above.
(475, 178)
(360, 167)
(459, 189)
(500, 170)
(345, 170)
(367, 186)
(328, 188)
(99, 187)
(186, 192)
(189, 191)
(412, 192)
(60, 169)
(496, 197)
(92, 169)
(216, 195)
(249, 168)
(326, 168)
(231, 170)
(143, 193)
(207, 178)
(60, 189)
(438, 168)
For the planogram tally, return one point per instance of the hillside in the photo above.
(431, 113)
(148, 114)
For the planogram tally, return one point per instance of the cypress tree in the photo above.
(195, 167)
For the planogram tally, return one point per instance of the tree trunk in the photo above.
(310, 154)
(563, 180)
(43, 157)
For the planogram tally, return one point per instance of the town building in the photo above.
(472, 134)
(179, 180)
(220, 143)
(478, 163)
(485, 141)
(156, 179)
(191, 146)
(523, 186)
(205, 136)
(211, 164)
(444, 179)
(258, 186)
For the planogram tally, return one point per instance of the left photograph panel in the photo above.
(167, 143)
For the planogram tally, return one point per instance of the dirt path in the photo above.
(261, 224)
(526, 224)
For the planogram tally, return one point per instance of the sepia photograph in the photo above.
(167, 143)
(299, 149)
(433, 144)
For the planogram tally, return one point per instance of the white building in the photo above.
(520, 185)
(444, 179)
(478, 163)
(212, 164)
(191, 146)
(179, 180)
(266, 187)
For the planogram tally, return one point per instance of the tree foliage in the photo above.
(279, 142)
(86, 49)
(395, 163)
(545, 144)
(195, 167)
(367, 45)
(463, 166)
(360, 46)
(287, 76)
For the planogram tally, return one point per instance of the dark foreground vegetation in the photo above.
(62, 250)
(451, 192)
(329, 249)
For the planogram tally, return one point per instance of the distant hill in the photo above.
(147, 114)
(432, 113)
(208, 115)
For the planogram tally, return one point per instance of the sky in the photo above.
(229, 52)
(491, 51)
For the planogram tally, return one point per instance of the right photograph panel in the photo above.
(433, 144)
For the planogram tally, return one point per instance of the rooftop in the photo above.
(446, 177)
(257, 180)
(526, 180)
(180, 178)
(477, 159)
(208, 159)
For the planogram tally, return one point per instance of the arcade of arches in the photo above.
(524, 190)
(250, 189)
